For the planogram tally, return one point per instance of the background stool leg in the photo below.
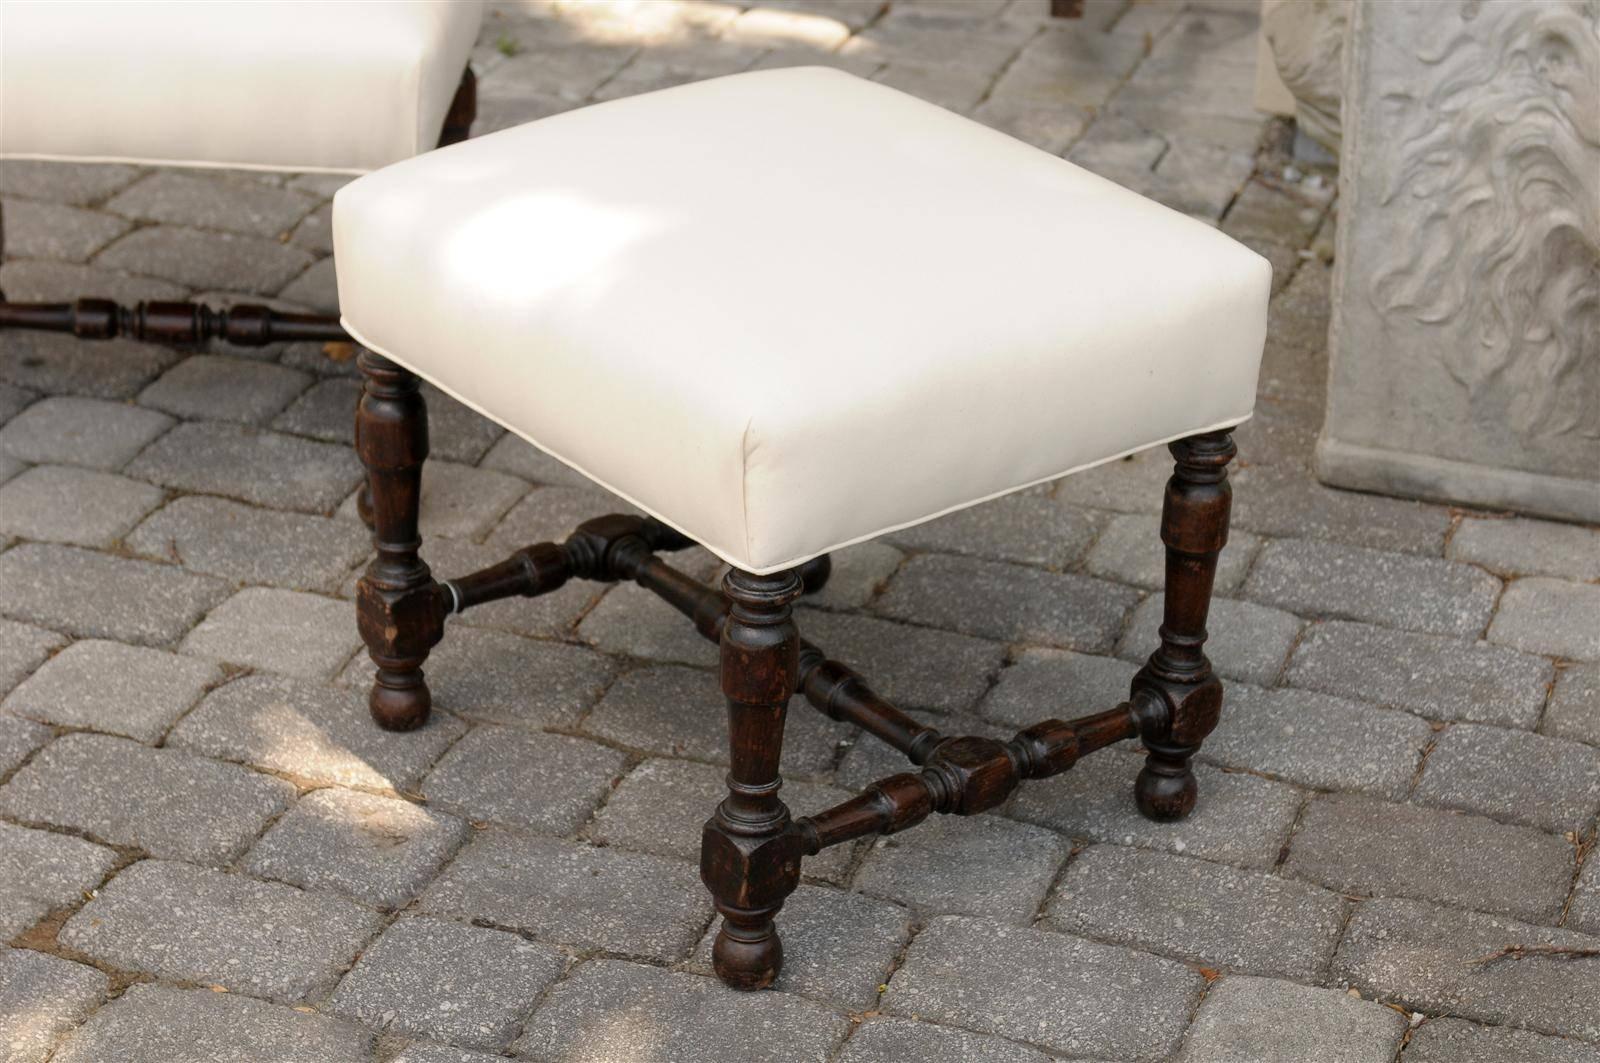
(1176, 698)
(749, 852)
(399, 608)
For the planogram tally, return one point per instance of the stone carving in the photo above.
(1465, 356)
(1500, 155)
(1307, 42)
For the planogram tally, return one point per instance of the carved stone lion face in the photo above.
(1502, 146)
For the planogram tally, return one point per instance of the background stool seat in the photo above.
(789, 310)
(336, 85)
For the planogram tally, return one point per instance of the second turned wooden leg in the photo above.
(1176, 698)
(750, 853)
(400, 610)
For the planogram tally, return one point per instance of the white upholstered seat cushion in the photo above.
(335, 85)
(789, 310)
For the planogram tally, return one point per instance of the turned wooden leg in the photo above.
(814, 573)
(1176, 698)
(399, 608)
(750, 852)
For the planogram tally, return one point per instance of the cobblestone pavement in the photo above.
(206, 852)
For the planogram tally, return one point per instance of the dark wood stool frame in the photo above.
(751, 847)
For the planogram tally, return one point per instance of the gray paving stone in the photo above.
(837, 946)
(455, 433)
(1198, 911)
(274, 630)
(496, 677)
(55, 363)
(245, 544)
(18, 739)
(1280, 501)
(550, 514)
(94, 433)
(953, 88)
(91, 595)
(516, 456)
(41, 871)
(1240, 819)
(661, 805)
(891, 1040)
(917, 40)
(212, 201)
(377, 850)
(1249, 1019)
(63, 504)
(316, 289)
(1026, 528)
(41, 997)
(914, 667)
(1318, 741)
(22, 649)
(218, 388)
(1010, 602)
(1428, 959)
(459, 500)
(81, 183)
(572, 894)
(163, 801)
(13, 400)
(1049, 127)
(428, 1052)
(322, 360)
(1130, 550)
(1524, 547)
(1360, 845)
(1060, 684)
(569, 73)
(462, 984)
(1347, 582)
(773, 28)
(981, 866)
(156, 1022)
(673, 711)
(544, 782)
(1438, 677)
(1574, 710)
(1584, 912)
(250, 465)
(1455, 1041)
(311, 732)
(617, 1010)
(859, 572)
(198, 925)
(315, 231)
(553, 615)
(107, 686)
(1127, 1005)
(1550, 616)
(198, 259)
(1274, 211)
(41, 281)
(631, 621)
(1247, 641)
(1543, 782)
(53, 230)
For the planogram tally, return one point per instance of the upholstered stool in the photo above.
(337, 86)
(781, 313)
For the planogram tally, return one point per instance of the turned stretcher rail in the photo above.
(245, 325)
(961, 775)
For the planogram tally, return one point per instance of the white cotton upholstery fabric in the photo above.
(790, 310)
(329, 85)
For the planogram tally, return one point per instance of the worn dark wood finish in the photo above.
(463, 111)
(1176, 698)
(177, 323)
(749, 850)
(400, 609)
(752, 848)
(1066, 8)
